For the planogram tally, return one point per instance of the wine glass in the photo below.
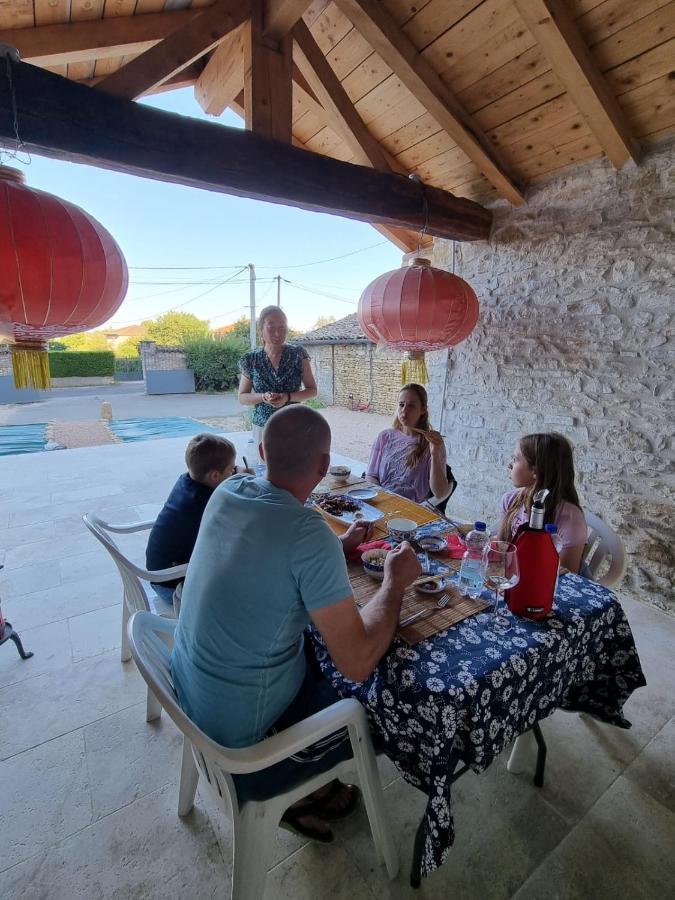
(500, 563)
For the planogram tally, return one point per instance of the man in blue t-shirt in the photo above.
(264, 567)
(209, 459)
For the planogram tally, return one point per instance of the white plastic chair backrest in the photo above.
(604, 543)
(150, 641)
(134, 593)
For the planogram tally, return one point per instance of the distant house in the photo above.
(350, 370)
(224, 329)
(117, 336)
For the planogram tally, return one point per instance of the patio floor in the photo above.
(88, 790)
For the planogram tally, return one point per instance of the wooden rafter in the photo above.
(54, 45)
(571, 60)
(268, 82)
(223, 75)
(176, 51)
(281, 15)
(388, 40)
(66, 120)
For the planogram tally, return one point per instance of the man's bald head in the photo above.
(294, 441)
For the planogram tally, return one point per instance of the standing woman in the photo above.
(409, 458)
(275, 374)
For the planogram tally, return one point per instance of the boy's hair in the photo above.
(207, 452)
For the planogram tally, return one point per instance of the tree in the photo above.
(322, 321)
(129, 348)
(86, 340)
(174, 328)
(57, 345)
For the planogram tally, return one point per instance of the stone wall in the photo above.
(356, 374)
(161, 358)
(575, 335)
(5, 360)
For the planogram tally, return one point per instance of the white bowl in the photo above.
(401, 529)
(373, 563)
(340, 474)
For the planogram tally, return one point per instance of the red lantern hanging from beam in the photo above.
(62, 273)
(415, 309)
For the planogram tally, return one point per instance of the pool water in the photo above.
(152, 429)
(22, 439)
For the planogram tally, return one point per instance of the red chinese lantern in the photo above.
(62, 273)
(418, 308)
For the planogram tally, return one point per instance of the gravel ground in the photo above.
(354, 432)
(81, 434)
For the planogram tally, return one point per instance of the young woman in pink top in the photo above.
(546, 461)
(409, 458)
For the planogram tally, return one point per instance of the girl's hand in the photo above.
(435, 438)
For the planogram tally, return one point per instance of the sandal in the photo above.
(323, 808)
(290, 821)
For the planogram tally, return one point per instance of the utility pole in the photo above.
(278, 290)
(251, 276)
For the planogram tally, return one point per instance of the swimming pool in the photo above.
(22, 439)
(152, 429)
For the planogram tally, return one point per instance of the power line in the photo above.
(320, 293)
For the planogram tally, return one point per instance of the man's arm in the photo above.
(358, 639)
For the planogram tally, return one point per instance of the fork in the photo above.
(441, 603)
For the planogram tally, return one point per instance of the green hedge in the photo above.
(81, 363)
(214, 362)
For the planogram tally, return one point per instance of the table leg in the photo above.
(541, 755)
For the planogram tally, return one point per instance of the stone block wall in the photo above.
(575, 335)
(5, 360)
(362, 371)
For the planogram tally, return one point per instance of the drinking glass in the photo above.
(500, 563)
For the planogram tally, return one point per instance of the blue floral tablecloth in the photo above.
(471, 691)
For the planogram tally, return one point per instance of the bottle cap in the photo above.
(480, 526)
(551, 528)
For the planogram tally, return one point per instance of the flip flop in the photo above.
(332, 815)
(290, 822)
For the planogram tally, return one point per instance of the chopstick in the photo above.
(245, 462)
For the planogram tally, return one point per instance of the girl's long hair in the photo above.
(551, 456)
(421, 447)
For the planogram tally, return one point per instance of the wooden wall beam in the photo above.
(55, 45)
(268, 81)
(385, 36)
(558, 36)
(223, 75)
(65, 120)
(176, 51)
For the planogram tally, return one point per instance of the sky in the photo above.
(181, 243)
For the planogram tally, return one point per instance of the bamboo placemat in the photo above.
(393, 507)
(457, 610)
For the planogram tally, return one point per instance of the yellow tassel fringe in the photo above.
(414, 370)
(31, 369)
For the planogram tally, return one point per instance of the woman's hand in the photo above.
(434, 438)
(274, 399)
(357, 533)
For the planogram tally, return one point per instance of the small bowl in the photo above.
(401, 529)
(435, 587)
(373, 563)
(433, 544)
(340, 474)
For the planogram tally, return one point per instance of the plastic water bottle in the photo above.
(471, 574)
(557, 541)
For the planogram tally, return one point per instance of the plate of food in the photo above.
(347, 509)
(434, 585)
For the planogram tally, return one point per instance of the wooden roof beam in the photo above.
(223, 75)
(571, 60)
(268, 80)
(55, 45)
(281, 15)
(176, 51)
(385, 37)
(65, 120)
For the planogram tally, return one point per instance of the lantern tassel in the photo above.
(414, 368)
(31, 367)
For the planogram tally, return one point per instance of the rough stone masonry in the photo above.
(575, 335)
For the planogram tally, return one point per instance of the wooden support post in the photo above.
(268, 83)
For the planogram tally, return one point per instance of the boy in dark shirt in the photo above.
(209, 459)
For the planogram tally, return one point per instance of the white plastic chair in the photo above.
(603, 543)
(138, 594)
(255, 822)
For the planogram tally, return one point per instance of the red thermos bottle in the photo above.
(538, 562)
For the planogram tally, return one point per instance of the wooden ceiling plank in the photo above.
(51, 12)
(650, 103)
(281, 15)
(268, 80)
(87, 40)
(642, 69)
(17, 15)
(648, 32)
(223, 75)
(401, 56)
(503, 81)
(332, 96)
(177, 50)
(571, 60)
(613, 16)
(531, 95)
(69, 121)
